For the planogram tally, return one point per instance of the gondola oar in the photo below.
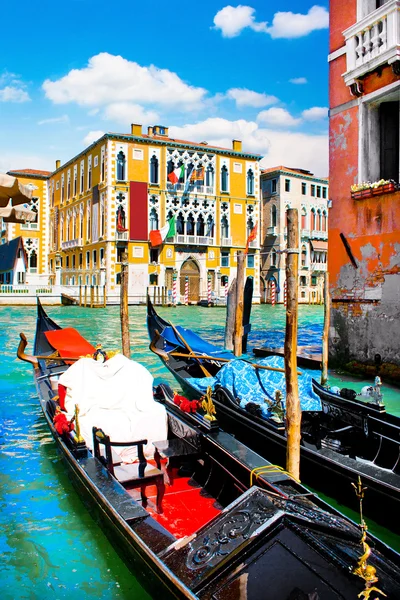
(225, 360)
(196, 357)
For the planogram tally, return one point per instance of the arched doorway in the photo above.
(190, 270)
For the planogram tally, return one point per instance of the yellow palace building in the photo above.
(104, 203)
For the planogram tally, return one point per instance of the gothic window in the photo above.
(190, 225)
(210, 176)
(69, 185)
(103, 165)
(121, 166)
(82, 177)
(200, 225)
(224, 227)
(68, 226)
(210, 227)
(224, 179)
(89, 174)
(153, 219)
(62, 188)
(304, 219)
(121, 219)
(313, 219)
(324, 222)
(102, 216)
(154, 169)
(250, 182)
(273, 215)
(180, 224)
(33, 260)
(303, 256)
(250, 226)
(319, 221)
(88, 220)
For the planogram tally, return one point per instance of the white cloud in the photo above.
(278, 147)
(244, 97)
(298, 80)
(231, 20)
(91, 137)
(315, 113)
(13, 94)
(108, 79)
(12, 160)
(126, 112)
(277, 117)
(63, 119)
(294, 25)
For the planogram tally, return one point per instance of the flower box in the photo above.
(384, 188)
(387, 188)
(362, 194)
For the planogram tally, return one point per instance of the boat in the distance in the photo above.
(339, 441)
(208, 518)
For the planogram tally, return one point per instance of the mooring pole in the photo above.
(238, 331)
(126, 345)
(230, 315)
(325, 334)
(293, 411)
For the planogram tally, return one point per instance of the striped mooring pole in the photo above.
(285, 293)
(174, 278)
(273, 293)
(209, 291)
(186, 290)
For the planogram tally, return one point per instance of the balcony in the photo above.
(193, 240)
(226, 242)
(253, 244)
(319, 267)
(305, 233)
(122, 236)
(192, 189)
(76, 243)
(271, 230)
(373, 41)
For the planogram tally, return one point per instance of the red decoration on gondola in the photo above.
(61, 423)
(186, 405)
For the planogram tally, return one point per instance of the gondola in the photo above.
(340, 441)
(253, 532)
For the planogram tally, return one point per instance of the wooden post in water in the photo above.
(85, 301)
(126, 345)
(91, 296)
(325, 333)
(230, 315)
(80, 294)
(293, 411)
(104, 296)
(238, 331)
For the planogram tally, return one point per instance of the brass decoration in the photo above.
(208, 405)
(79, 438)
(363, 570)
(51, 357)
(276, 407)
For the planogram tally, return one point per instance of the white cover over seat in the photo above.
(116, 396)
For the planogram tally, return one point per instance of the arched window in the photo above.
(33, 260)
(88, 221)
(319, 221)
(154, 169)
(313, 219)
(250, 182)
(68, 226)
(153, 219)
(304, 219)
(121, 164)
(210, 176)
(273, 258)
(250, 226)
(190, 225)
(210, 227)
(273, 216)
(180, 224)
(200, 225)
(303, 256)
(224, 179)
(189, 170)
(224, 227)
(324, 221)
(121, 219)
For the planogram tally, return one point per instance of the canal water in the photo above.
(50, 546)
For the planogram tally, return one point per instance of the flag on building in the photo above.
(157, 236)
(197, 174)
(177, 174)
(251, 238)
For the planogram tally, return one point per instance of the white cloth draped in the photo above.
(117, 396)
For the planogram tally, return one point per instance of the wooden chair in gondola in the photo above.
(133, 475)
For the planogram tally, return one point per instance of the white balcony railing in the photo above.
(192, 188)
(319, 235)
(373, 41)
(271, 230)
(305, 233)
(121, 236)
(71, 244)
(194, 240)
(253, 244)
(319, 267)
(226, 242)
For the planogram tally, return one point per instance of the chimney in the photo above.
(150, 131)
(136, 129)
(58, 164)
(237, 145)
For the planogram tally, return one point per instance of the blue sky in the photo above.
(211, 71)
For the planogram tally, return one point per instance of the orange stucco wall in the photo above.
(339, 92)
(342, 14)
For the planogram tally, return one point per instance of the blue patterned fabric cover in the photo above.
(253, 385)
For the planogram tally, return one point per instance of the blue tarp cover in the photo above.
(196, 343)
(254, 385)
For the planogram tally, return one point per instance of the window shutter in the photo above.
(389, 136)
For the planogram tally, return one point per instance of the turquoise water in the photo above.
(50, 546)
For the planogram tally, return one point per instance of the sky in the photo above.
(210, 71)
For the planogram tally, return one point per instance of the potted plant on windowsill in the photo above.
(368, 189)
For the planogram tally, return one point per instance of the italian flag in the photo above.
(157, 236)
(177, 174)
